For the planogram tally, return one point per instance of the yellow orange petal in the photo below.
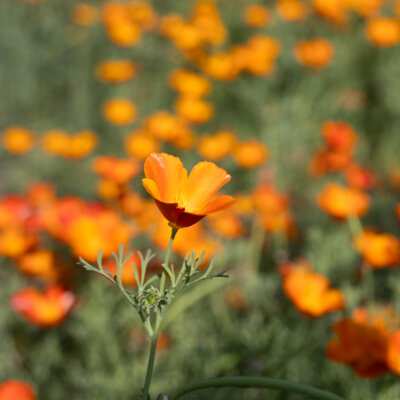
(168, 174)
(151, 188)
(201, 186)
(220, 203)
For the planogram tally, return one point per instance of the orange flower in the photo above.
(185, 140)
(101, 230)
(115, 71)
(46, 309)
(41, 194)
(164, 126)
(140, 144)
(84, 14)
(343, 202)
(334, 10)
(15, 241)
(193, 110)
(207, 19)
(317, 53)
(309, 291)
(329, 160)
(60, 143)
(291, 10)
(227, 224)
(121, 29)
(383, 32)
(119, 111)
(361, 178)
(189, 84)
(17, 140)
(379, 250)
(183, 199)
(361, 343)
(339, 136)
(221, 66)
(16, 390)
(393, 353)
(109, 190)
(39, 263)
(250, 154)
(218, 146)
(118, 170)
(261, 54)
(366, 8)
(256, 15)
(141, 13)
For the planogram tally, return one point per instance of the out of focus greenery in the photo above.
(47, 82)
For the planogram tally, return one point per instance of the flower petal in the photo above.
(218, 204)
(168, 174)
(201, 187)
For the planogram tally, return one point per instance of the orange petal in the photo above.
(151, 188)
(168, 174)
(201, 187)
(220, 203)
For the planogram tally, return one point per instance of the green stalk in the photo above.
(256, 382)
(150, 365)
(154, 337)
(166, 260)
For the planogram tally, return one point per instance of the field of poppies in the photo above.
(259, 139)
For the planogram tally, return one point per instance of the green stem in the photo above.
(254, 382)
(154, 336)
(150, 365)
(166, 260)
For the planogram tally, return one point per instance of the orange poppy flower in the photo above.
(189, 84)
(118, 170)
(343, 202)
(309, 291)
(84, 14)
(379, 250)
(339, 136)
(334, 10)
(119, 111)
(383, 32)
(140, 144)
(216, 147)
(194, 110)
(46, 309)
(39, 263)
(317, 53)
(361, 178)
(227, 224)
(17, 140)
(291, 10)
(115, 71)
(16, 390)
(361, 343)
(183, 199)
(250, 154)
(393, 353)
(256, 15)
(366, 8)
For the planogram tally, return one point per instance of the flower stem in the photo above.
(266, 383)
(154, 336)
(166, 260)
(150, 365)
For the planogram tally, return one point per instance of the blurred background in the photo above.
(298, 100)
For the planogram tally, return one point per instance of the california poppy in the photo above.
(182, 199)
